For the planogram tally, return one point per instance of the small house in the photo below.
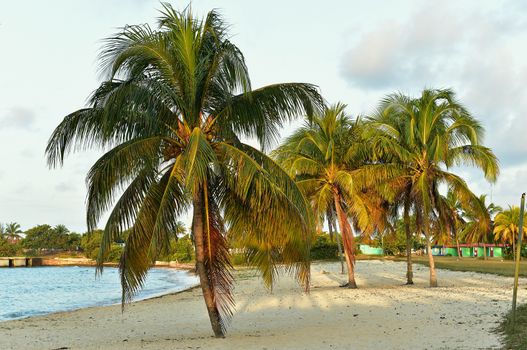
(368, 250)
(469, 250)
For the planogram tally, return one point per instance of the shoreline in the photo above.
(171, 290)
(461, 313)
(92, 263)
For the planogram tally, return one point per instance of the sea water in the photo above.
(36, 291)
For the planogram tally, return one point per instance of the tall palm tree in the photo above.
(12, 231)
(323, 156)
(480, 225)
(506, 227)
(424, 137)
(177, 101)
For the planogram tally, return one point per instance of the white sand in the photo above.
(382, 314)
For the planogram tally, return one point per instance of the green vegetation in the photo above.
(9, 249)
(175, 105)
(172, 112)
(91, 243)
(323, 248)
(515, 337)
(45, 237)
(326, 158)
(180, 250)
(506, 227)
(420, 139)
(38, 240)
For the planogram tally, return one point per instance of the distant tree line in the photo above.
(45, 240)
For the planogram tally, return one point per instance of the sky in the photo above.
(356, 52)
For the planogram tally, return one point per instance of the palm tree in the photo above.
(177, 101)
(323, 156)
(330, 216)
(61, 230)
(480, 224)
(458, 222)
(506, 227)
(12, 231)
(179, 229)
(423, 138)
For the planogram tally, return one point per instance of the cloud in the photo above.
(18, 118)
(64, 187)
(429, 47)
(27, 153)
(477, 51)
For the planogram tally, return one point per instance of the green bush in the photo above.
(323, 248)
(91, 242)
(508, 255)
(180, 250)
(8, 249)
(183, 250)
(115, 253)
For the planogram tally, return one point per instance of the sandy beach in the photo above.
(381, 314)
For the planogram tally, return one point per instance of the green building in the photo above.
(368, 250)
(469, 250)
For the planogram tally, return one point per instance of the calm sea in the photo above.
(35, 291)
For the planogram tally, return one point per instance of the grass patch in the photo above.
(515, 338)
(491, 265)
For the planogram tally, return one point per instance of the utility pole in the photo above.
(518, 256)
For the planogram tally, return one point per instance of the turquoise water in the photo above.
(36, 291)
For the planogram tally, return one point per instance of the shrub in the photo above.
(180, 250)
(115, 253)
(183, 250)
(8, 249)
(323, 248)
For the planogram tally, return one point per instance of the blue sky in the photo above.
(355, 51)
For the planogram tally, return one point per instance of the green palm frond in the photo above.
(176, 101)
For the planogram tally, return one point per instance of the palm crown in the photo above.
(422, 138)
(507, 228)
(326, 158)
(172, 112)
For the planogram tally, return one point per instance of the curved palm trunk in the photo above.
(331, 225)
(433, 277)
(409, 270)
(348, 241)
(208, 294)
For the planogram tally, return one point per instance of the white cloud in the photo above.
(478, 51)
(18, 118)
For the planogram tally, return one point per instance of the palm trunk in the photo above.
(433, 277)
(347, 240)
(331, 225)
(331, 234)
(458, 247)
(484, 251)
(513, 248)
(409, 270)
(208, 293)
